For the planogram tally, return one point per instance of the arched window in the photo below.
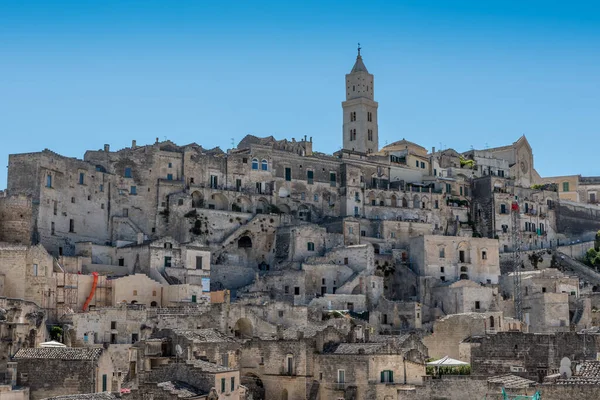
(264, 165)
(491, 321)
(153, 304)
(255, 163)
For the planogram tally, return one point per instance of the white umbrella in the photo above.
(52, 343)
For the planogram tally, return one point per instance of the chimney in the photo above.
(311, 139)
(107, 148)
(305, 138)
(156, 140)
(140, 238)
(433, 150)
(133, 144)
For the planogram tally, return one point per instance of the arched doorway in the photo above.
(262, 206)
(393, 201)
(197, 200)
(416, 202)
(404, 202)
(254, 385)
(245, 242)
(243, 328)
(153, 304)
(284, 394)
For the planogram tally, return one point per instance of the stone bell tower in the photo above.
(360, 110)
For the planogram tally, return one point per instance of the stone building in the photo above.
(53, 371)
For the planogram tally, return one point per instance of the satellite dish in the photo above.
(565, 368)
(178, 350)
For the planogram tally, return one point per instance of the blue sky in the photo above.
(77, 74)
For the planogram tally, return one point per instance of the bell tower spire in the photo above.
(360, 110)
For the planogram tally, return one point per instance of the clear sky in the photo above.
(77, 74)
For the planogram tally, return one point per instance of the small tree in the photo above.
(56, 333)
(597, 241)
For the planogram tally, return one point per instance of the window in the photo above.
(290, 364)
(135, 292)
(565, 186)
(352, 134)
(255, 163)
(223, 381)
(168, 245)
(127, 173)
(52, 228)
(477, 305)
(121, 262)
(434, 172)
(214, 181)
(169, 177)
(296, 290)
(461, 190)
(350, 230)
(101, 187)
(341, 378)
(461, 256)
(353, 116)
(302, 196)
(332, 179)
(113, 324)
(286, 289)
(448, 188)
(244, 160)
(280, 313)
(502, 208)
(49, 181)
(104, 383)
(154, 293)
(73, 200)
(316, 197)
(484, 255)
(71, 225)
(309, 177)
(543, 290)
(422, 165)
(442, 252)
(387, 376)
(370, 134)
(167, 261)
(35, 270)
(232, 383)
(442, 269)
(133, 190)
(288, 174)
(81, 178)
(198, 262)
(417, 163)
(170, 165)
(134, 338)
(310, 246)
(264, 165)
(356, 196)
(369, 116)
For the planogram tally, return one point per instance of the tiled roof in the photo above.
(181, 389)
(59, 353)
(204, 335)
(85, 396)
(589, 369)
(511, 381)
(208, 366)
(354, 348)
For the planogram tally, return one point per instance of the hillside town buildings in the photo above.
(273, 271)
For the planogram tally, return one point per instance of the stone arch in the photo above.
(464, 252)
(218, 201)
(464, 276)
(412, 291)
(380, 199)
(404, 202)
(254, 385)
(243, 328)
(284, 394)
(357, 289)
(393, 201)
(153, 304)
(425, 202)
(372, 199)
(416, 201)
(245, 242)
(262, 206)
(284, 208)
(197, 199)
(492, 323)
(243, 204)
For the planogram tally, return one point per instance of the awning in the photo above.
(446, 362)
(52, 343)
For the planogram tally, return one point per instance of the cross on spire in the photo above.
(359, 49)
